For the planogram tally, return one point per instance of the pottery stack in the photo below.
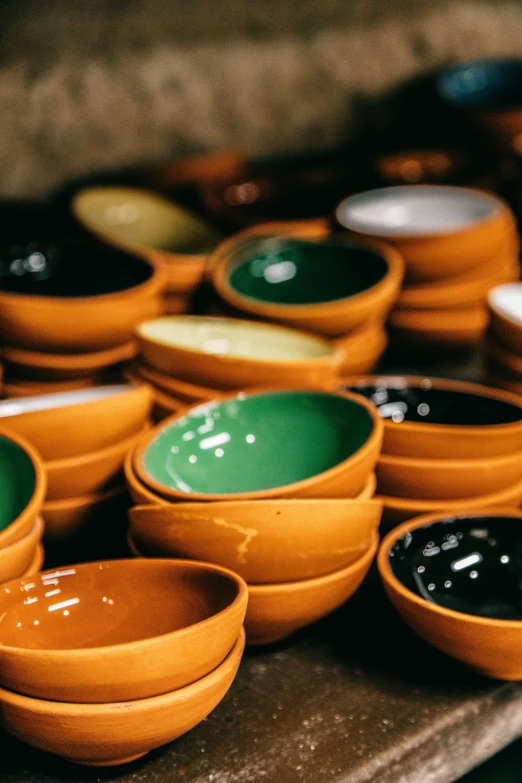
(503, 346)
(457, 244)
(237, 482)
(102, 662)
(448, 445)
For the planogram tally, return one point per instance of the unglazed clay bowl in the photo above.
(505, 306)
(328, 285)
(455, 580)
(440, 230)
(150, 225)
(275, 611)
(115, 733)
(362, 348)
(452, 327)
(78, 422)
(261, 540)
(23, 483)
(261, 445)
(21, 387)
(38, 366)
(79, 298)
(17, 557)
(118, 630)
(188, 393)
(439, 418)
(36, 563)
(227, 353)
(81, 516)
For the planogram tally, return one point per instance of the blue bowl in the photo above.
(483, 85)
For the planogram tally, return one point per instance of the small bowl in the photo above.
(133, 629)
(81, 298)
(16, 558)
(456, 582)
(231, 354)
(70, 518)
(505, 306)
(262, 540)
(453, 327)
(37, 366)
(276, 611)
(328, 286)
(152, 226)
(78, 422)
(106, 735)
(440, 230)
(24, 482)
(256, 446)
(439, 418)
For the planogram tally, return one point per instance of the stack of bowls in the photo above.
(457, 244)
(23, 482)
(67, 313)
(190, 358)
(239, 481)
(300, 275)
(105, 661)
(155, 228)
(503, 347)
(448, 445)
(83, 437)
(455, 580)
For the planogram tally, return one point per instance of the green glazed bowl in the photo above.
(17, 481)
(267, 444)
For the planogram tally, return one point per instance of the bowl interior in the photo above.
(137, 217)
(17, 481)
(101, 604)
(257, 442)
(42, 402)
(299, 272)
(415, 210)
(467, 564)
(487, 85)
(507, 300)
(398, 402)
(230, 337)
(70, 269)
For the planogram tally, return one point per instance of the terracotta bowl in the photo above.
(276, 611)
(24, 482)
(152, 226)
(261, 540)
(36, 563)
(78, 422)
(115, 733)
(188, 393)
(119, 629)
(256, 446)
(328, 286)
(456, 582)
(17, 557)
(88, 473)
(440, 230)
(90, 300)
(362, 348)
(505, 306)
(232, 354)
(69, 518)
(442, 327)
(37, 366)
(397, 510)
(439, 418)
(20, 387)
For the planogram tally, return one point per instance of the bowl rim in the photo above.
(151, 375)
(68, 504)
(178, 565)
(389, 578)
(375, 437)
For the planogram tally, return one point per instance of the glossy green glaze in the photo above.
(17, 481)
(300, 272)
(256, 442)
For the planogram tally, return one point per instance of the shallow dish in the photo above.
(74, 518)
(38, 366)
(505, 305)
(262, 540)
(255, 446)
(233, 354)
(16, 558)
(116, 733)
(456, 582)
(440, 418)
(77, 422)
(129, 629)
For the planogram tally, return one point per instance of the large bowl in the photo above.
(117, 630)
(289, 443)
(17, 557)
(75, 299)
(115, 733)
(227, 353)
(261, 540)
(439, 418)
(456, 582)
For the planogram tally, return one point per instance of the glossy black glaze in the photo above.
(437, 406)
(468, 564)
(73, 269)
(485, 84)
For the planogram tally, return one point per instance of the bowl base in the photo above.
(108, 762)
